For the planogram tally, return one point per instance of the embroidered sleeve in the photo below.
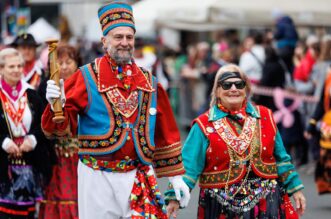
(168, 157)
(287, 174)
(194, 154)
(76, 101)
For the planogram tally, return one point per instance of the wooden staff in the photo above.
(55, 75)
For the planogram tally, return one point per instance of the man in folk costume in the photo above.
(33, 67)
(125, 126)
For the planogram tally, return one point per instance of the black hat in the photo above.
(25, 39)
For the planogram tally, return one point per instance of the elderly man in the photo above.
(125, 126)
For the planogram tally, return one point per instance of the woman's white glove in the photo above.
(180, 186)
(54, 92)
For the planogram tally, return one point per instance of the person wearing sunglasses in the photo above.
(237, 154)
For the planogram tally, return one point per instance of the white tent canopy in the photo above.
(42, 31)
(146, 12)
(215, 14)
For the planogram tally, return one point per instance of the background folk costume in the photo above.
(241, 164)
(323, 114)
(60, 200)
(22, 178)
(33, 70)
(125, 126)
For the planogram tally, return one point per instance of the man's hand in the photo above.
(54, 92)
(172, 208)
(180, 186)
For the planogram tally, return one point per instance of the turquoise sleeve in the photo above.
(194, 155)
(287, 174)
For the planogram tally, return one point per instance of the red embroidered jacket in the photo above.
(257, 145)
(166, 137)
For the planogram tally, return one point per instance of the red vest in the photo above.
(261, 133)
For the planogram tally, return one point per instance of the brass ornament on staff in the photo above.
(55, 76)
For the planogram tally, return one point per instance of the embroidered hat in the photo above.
(115, 14)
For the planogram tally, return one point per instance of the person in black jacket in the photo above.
(25, 159)
(286, 37)
(273, 76)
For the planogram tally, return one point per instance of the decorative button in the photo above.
(217, 127)
(127, 158)
(215, 168)
(210, 129)
(264, 148)
(103, 86)
(128, 138)
(152, 111)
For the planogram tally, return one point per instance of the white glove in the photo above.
(179, 185)
(54, 92)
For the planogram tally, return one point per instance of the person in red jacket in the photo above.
(303, 69)
(125, 126)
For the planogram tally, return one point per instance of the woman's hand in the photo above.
(12, 148)
(172, 208)
(26, 146)
(300, 202)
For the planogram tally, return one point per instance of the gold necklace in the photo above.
(233, 158)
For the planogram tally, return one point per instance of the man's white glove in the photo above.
(53, 92)
(180, 186)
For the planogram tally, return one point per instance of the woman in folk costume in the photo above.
(61, 194)
(322, 113)
(236, 152)
(125, 126)
(33, 72)
(25, 161)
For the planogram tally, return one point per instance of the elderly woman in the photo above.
(24, 157)
(238, 155)
(61, 194)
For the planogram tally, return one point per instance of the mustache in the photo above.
(124, 49)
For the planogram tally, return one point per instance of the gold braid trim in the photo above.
(58, 202)
(173, 150)
(297, 188)
(283, 164)
(170, 170)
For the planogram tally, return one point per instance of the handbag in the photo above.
(290, 212)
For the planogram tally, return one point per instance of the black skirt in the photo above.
(259, 198)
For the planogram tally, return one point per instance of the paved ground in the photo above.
(319, 207)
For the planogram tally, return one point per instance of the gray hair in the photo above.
(9, 52)
(223, 69)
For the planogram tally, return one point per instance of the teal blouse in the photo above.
(196, 144)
